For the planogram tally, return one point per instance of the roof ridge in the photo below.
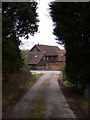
(38, 47)
(47, 46)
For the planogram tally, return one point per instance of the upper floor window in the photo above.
(61, 54)
(35, 56)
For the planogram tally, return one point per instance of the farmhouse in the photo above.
(46, 57)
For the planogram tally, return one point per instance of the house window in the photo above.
(61, 54)
(51, 58)
(47, 58)
(35, 56)
(44, 58)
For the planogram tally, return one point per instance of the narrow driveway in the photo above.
(43, 100)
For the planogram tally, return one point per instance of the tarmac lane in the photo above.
(43, 100)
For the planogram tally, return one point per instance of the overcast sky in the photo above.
(45, 31)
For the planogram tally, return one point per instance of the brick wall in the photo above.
(55, 66)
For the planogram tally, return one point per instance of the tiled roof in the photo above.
(50, 50)
(35, 57)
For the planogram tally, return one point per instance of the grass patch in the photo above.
(15, 84)
(37, 75)
(84, 104)
(64, 81)
(37, 112)
(75, 94)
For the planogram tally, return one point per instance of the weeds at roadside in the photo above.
(73, 94)
(15, 84)
(37, 75)
(38, 110)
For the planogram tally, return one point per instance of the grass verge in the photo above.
(74, 98)
(37, 75)
(15, 84)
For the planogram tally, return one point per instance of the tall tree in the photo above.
(18, 19)
(72, 28)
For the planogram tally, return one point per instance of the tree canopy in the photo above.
(18, 19)
(72, 28)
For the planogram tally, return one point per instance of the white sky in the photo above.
(45, 30)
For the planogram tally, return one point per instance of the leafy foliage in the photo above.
(18, 19)
(72, 28)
